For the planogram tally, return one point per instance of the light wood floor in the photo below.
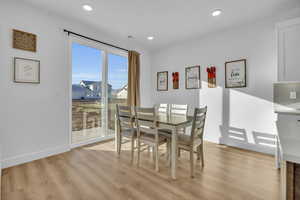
(95, 172)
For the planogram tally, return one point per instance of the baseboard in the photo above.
(246, 146)
(102, 139)
(253, 147)
(17, 160)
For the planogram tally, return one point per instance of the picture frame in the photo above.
(193, 77)
(162, 81)
(26, 70)
(24, 41)
(236, 74)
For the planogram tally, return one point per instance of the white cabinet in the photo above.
(288, 126)
(288, 34)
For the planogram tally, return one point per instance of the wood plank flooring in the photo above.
(95, 173)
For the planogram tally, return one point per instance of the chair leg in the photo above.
(119, 145)
(132, 150)
(192, 162)
(169, 154)
(139, 152)
(198, 152)
(168, 150)
(153, 153)
(178, 152)
(202, 155)
(156, 158)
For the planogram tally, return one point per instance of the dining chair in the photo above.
(178, 109)
(147, 132)
(162, 108)
(126, 129)
(195, 139)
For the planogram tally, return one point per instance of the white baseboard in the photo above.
(253, 147)
(247, 146)
(17, 160)
(101, 139)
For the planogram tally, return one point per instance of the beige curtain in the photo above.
(133, 95)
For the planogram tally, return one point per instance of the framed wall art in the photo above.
(24, 41)
(211, 76)
(175, 78)
(162, 81)
(26, 70)
(192, 77)
(235, 74)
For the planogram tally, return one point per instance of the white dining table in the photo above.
(172, 122)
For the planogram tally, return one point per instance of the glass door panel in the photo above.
(86, 93)
(117, 78)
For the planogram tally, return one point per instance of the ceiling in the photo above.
(168, 21)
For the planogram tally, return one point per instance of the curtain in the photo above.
(133, 93)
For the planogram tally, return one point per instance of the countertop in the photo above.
(293, 109)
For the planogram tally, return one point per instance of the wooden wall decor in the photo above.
(175, 76)
(24, 41)
(211, 76)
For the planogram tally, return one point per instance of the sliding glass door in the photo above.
(99, 82)
(117, 79)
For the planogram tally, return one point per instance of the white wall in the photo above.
(239, 117)
(34, 118)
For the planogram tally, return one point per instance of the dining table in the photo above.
(172, 122)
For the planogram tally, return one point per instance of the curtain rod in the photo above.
(111, 45)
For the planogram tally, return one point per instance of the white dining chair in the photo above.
(194, 140)
(125, 122)
(178, 109)
(162, 108)
(147, 132)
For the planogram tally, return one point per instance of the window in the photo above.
(99, 82)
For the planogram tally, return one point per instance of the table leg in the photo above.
(174, 152)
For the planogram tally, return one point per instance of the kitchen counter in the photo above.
(292, 109)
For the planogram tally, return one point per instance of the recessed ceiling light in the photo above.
(150, 38)
(87, 7)
(216, 12)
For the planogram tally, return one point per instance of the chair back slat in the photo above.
(198, 123)
(124, 117)
(146, 120)
(178, 109)
(163, 108)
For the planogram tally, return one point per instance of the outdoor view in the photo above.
(88, 113)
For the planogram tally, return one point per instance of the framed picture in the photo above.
(26, 70)
(24, 41)
(162, 81)
(235, 74)
(192, 77)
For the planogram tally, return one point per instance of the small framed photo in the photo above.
(235, 74)
(162, 81)
(192, 77)
(24, 41)
(26, 70)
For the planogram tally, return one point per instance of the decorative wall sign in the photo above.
(26, 70)
(162, 81)
(24, 41)
(235, 74)
(192, 77)
(211, 76)
(175, 76)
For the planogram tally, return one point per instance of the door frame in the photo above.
(105, 51)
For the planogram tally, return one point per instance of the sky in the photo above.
(87, 65)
